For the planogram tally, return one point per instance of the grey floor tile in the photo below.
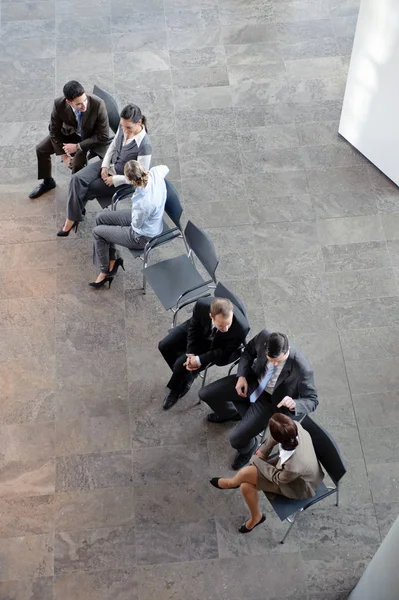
(268, 209)
(376, 409)
(241, 33)
(299, 11)
(350, 230)
(176, 581)
(93, 471)
(30, 515)
(355, 285)
(176, 542)
(268, 137)
(94, 550)
(203, 97)
(356, 343)
(29, 406)
(379, 444)
(192, 37)
(25, 478)
(384, 481)
(252, 53)
(390, 223)
(92, 434)
(26, 556)
(97, 585)
(40, 588)
(170, 463)
(356, 256)
(387, 513)
(372, 376)
(368, 312)
(95, 509)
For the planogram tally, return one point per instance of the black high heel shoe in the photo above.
(244, 528)
(62, 233)
(118, 263)
(101, 283)
(215, 482)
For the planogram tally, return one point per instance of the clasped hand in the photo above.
(191, 363)
(106, 177)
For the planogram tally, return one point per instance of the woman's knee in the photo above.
(246, 487)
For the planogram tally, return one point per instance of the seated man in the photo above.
(214, 334)
(273, 376)
(79, 123)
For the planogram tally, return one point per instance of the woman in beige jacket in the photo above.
(294, 472)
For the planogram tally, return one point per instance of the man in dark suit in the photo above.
(79, 123)
(273, 376)
(214, 334)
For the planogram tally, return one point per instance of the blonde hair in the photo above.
(135, 173)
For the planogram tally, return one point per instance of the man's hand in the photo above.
(288, 402)
(104, 173)
(70, 148)
(67, 160)
(108, 181)
(191, 363)
(242, 387)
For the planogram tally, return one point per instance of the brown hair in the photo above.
(221, 306)
(135, 173)
(284, 431)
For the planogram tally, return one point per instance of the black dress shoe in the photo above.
(244, 528)
(240, 460)
(170, 400)
(214, 418)
(42, 188)
(215, 482)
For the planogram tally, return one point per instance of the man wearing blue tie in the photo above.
(273, 376)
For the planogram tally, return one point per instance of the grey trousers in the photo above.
(113, 227)
(87, 185)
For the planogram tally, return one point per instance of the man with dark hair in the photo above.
(214, 334)
(78, 123)
(273, 376)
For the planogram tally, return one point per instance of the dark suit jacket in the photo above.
(296, 379)
(219, 347)
(63, 122)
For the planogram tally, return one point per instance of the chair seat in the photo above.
(170, 278)
(155, 243)
(285, 507)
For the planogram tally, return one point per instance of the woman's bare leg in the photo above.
(244, 475)
(251, 497)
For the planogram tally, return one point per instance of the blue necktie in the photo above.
(262, 385)
(79, 118)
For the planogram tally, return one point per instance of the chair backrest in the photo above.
(221, 291)
(111, 106)
(203, 248)
(173, 208)
(326, 449)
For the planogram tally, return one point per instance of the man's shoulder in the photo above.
(60, 102)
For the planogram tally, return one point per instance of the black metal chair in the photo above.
(111, 106)
(113, 116)
(330, 459)
(221, 291)
(177, 279)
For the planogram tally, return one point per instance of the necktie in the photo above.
(262, 385)
(79, 118)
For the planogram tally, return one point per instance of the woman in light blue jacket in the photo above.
(131, 229)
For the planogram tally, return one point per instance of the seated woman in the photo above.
(130, 229)
(295, 472)
(100, 179)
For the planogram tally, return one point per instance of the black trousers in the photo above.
(222, 398)
(174, 347)
(46, 148)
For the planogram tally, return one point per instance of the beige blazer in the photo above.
(300, 475)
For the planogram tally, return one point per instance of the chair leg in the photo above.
(144, 283)
(175, 313)
(337, 502)
(292, 521)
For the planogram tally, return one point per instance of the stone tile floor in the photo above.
(102, 495)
